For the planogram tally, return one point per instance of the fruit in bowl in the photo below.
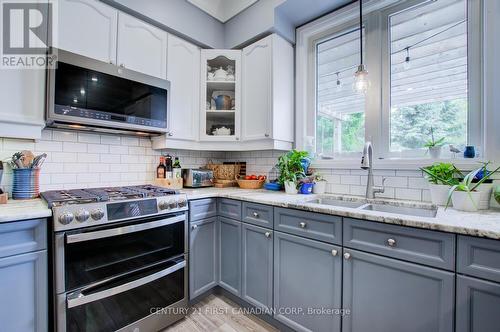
(251, 181)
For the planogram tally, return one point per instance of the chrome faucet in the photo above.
(367, 163)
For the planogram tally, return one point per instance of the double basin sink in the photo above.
(428, 212)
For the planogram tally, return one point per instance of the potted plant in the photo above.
(433, 146)
(319, 184)
(465, 195)
(496, 194)
(291, 170)
(306, 185)
(441, 177)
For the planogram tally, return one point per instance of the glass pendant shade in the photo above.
(361, 81)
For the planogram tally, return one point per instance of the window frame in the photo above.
(377, 109)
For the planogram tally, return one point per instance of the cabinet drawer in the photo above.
(415, 245)
(258, 214)
(229, 208)
(202, 209)
(308, 224)
(479, 257)
(19, 237)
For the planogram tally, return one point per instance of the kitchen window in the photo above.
(423, 59)
(340, 112)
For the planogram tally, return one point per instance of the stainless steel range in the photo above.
(119, 258)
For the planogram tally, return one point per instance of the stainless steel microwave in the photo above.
(86, 94)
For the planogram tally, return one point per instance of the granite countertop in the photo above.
(482, 224)
(24, 209)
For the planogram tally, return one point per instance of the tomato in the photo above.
(253, 177)
(248, 177)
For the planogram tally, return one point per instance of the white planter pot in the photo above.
(485, 190)
(464, 201)
(439, 193)
(291, 187)
(435, 152)
(319, 187)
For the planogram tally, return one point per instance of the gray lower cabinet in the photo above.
(23, 289)
(202, 256)
(478, 305)
(307, 279)
(229, 276)
(385, 294)
(257, 266)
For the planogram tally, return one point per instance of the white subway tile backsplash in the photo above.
(83, 159)
(111, 139)
(64, 136)
(98, 148)
(74, 147)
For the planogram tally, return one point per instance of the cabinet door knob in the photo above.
(334, 252)
(266, 135)
(194, 227)
(302, 224)
(237, 138)
(267, 234)
(255, 214)
(391, 242)
(347, 255)
(122, 65)
(170, 134)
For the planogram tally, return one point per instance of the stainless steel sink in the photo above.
(336, 202)
(410, 211)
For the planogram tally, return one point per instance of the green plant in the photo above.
(466, 185)
(496, 194)
(442, 173)
(433, 143)
(318, 177)
(290, 166)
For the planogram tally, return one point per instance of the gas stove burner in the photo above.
(105, 194)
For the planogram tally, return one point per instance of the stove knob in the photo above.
(172, 205)
(66, 218)
(97, 214)
(182, 203)
(163, 205)
(82, 215)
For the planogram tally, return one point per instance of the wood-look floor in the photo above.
(217, 313)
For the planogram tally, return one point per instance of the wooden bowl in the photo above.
(250, 184)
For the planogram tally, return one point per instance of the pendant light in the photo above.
(339, 83)
(407, 64)
(361, 82)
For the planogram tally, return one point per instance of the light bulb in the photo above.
(361, 81)
(407, 64)
(339, 83)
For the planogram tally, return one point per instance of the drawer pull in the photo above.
(302, 225)
(194, 227)
(256, 215)
(334, 252)
(391, 242)
(347, 256)
(267, 234)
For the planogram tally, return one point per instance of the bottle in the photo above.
(177, 168)
(168, 167)
(160, 170)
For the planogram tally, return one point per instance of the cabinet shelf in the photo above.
(221, 85)
(221, 111)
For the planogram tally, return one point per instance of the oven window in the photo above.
(87, 89)
(91, 260)
(111, 313)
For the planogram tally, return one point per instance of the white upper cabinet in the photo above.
(87, 27)
(267, 90)
(184, 76)
(141, 46)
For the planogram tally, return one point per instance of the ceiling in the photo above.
(222, 10)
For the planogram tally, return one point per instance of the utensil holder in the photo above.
(26, 183)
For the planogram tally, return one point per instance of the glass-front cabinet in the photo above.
(220, 95)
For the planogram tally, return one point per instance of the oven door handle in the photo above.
(82, 237)
(78, 299)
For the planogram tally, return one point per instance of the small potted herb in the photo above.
(496, 194)
(465, 195)
(441, 177)
(434, 146)
(319, 184)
